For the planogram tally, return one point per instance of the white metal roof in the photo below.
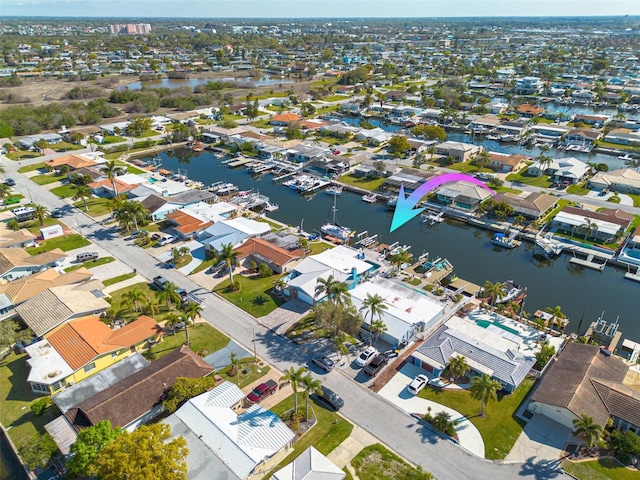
(310, 465)
(580, 220)
(47, 365)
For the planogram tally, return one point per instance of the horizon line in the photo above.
(360, 17)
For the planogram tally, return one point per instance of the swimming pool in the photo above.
(633, 254)
(486, 323)
(152, 180)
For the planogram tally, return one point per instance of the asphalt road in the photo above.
(420, 445)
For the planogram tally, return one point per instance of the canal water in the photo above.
(10, 468)
(549, 283)
(194, 82)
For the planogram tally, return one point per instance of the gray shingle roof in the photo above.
(621, 401)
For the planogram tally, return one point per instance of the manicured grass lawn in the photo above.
(65, 146)
(375, 462)
(46, 179)
(203, 266)
(202, 336)
(272, 224)
(335, 98)
(318, 246)
(31, 168)
(261, 124)
(559, 206)
(65, 191)
(248, 372)
(91, 264)
(330, 108)
(468, 167)
(504, 189)
(255, 295)
(110, 139)
(97, 206)
(186, 260)
(616, 146)
(636, 199)
(131, 169)
(66, 243)
(330, 430)
(522, 177)
(578, 189)
(34, 225)
(16, 397)
(603, 469)
(118, 279)
(368, 183)
(22, 154)
(148, 133)
(500, 429)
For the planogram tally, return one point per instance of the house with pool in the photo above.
(630, 253)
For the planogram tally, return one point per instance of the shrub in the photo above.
(265, 271)
(40, 406)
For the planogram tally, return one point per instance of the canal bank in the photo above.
(469, 248)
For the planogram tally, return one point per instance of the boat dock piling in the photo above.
(589, 263)
(633, 276)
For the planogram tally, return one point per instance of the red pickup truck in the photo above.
(262, 391)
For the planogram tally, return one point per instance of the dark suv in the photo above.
(375, 365)
(331, 398)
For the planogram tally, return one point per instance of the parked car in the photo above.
(160, 282)
(166, 240)
(418, 384)
(330, 397)
(156, 236)
(57, 214)
(374, 366)
(366, 356)
(323, 362)
(138, 233)
(262, 391)
(10, 181)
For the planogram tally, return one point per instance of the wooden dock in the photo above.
(239, 162)
(589, 263)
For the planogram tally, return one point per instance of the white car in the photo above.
(166, 240)
(366, 356)
(418, 384)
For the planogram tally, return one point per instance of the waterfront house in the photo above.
(350, 108)
(504, 162)
(528, 86)
(310, 465)
(17, 262)
(73, 162)
(375, 136)
(583, 136)
(610, 223)
(231, 444)
(80, 348)
(262, 251)
(408, 311)
(462, 195)
(461, 152)
(285, 119)
(486, 351)
(225, 134)
(623, 136)
(549, 131)
(235, 231)
(484, 123)
(159, 206)
(59, 304)
(113, 129)
(588, 380)
(624, 180)
(302, 153)
(596, 120)
(532, 205)
(192, 220)
(528, 111)
(563, 170)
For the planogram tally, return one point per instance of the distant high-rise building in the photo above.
(130, 29)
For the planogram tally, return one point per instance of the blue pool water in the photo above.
(486, 323)
(152, 180)
(633, 254)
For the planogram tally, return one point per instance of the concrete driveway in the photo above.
(395, 391)
(541, 440)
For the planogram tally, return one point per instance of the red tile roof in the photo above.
(186, 223)
(273, 253)
(286, 117)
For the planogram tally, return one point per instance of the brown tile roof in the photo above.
(610, 215)
(186, 223)
(530, 109)
(134, 396)
(73, 161)
(142, 328)
(106, 183)
(537, 201)
(19, 257)
(585, 132)
(286, 117)
(513, 160)
(568, 382)
(28, 287)
(10, 239)
(269, 251)
(621, 400)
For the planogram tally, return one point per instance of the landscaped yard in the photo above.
(603, 469)
(543, 181)
(202, 336)
(16, 397)
(65, 191)
(90, 264)
(579, 189)
(468, 167)
(318, 246)
(65, 147)
(46, 179)
(368, 183)
(329, 432)
(124, 310)
(375, 462)
(31, 168)
(500, 429)
(118, 279)
(97, 206)
(255, 295)
(66, 243)
(248, 372)
(20, 154)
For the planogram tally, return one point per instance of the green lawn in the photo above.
(500, 429)
(202, 336)
(16, 397)
(504, 189)
(636, 199)
(261, 123)
(203, 265)
(31, 168)
(110, 139)
(186, 260)
(131, 169)
(603, 469)
(248, 372)
(617, 146)
(368, 183)
(118, 279)
(329, 432)
(66, 243)
(543, 181)
(335, 98)
(375, 462)
(20, 154)
(559, 206)
(468, 167)
(91, 264)
(255, 294)
(34, 225)
(65, 146)
(46, 179)
(318, 246)
(65, 191)
(579, 189)
(97, 206)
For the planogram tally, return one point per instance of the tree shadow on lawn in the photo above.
(541, 469)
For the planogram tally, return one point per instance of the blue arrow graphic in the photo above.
(404, 208)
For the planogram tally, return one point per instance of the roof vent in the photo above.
(54, 374)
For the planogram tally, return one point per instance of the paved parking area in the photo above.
(102, 272)
(285, 315)
(283, 392)
(541, 440)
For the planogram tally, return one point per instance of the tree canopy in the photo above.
(88, 444)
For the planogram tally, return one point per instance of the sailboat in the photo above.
(333, 229)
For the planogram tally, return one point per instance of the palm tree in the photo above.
(179, 253)
(111, 169)
(169, 294)
(375, 305)
(457, 367)
(134, 297)
(41, 213)
(589, 228)
(230, 259)
(544, 162)
(484, 388)
(172, 319)
(310, 385)
(587, 430)
(294, 376)
(192, 311)
(494, 290)
(558, 315)
(234, 361)
(442, 421)
(400, 258)
(483, 159)
(279, 285)
(336, 291)
(152, 306)
(4, 192)
(377, 328)
(82, 193)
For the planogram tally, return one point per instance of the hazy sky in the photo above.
(316, 8)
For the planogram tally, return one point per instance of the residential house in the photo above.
(310, 465)
(341, 262)
(563, 170)
(588, 380)
(528, 111)
(486, 351)
(582, 136)
(461, 152)
(484, 123)
(16, 262)
(233, 445)
(27, 143)
(234, 232)
(462, 195)
(302, 153)
(609, 224)
(159, 206)
(72, 162)
(375, 136)
(532, 205)
(623, 136)
(82, 347)
(284, 119)
(225, 134)
(596, 120)
(411, 178)
(113, 129)
(504, 162)
(18, 239)
(528, 86)
(407, 310)
(548, 131)
(59, 304)
(624, 180)
(20, 290)
(395, 95)
(350, 108)
(263, 252)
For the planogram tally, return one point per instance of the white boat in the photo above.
(226, 189)
(370, 198)
(333, 229)
(505, 240)
(626, 157)
(334, 190)
(510, 292)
